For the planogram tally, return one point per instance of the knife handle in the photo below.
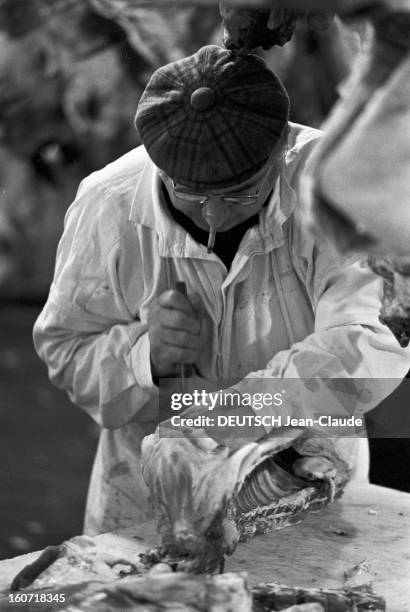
(187, 370)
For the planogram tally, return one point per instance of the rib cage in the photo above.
(265, 485)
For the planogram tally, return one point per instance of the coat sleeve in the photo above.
(94, 346)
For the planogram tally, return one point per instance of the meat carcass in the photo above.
(248, 28)
(79, 575)
(206, 496)
(359, 186)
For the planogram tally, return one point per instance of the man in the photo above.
(211, 199)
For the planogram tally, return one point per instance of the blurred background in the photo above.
(71, 73)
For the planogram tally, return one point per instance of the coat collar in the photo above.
(149, 210)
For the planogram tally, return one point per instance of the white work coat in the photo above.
(288, 307)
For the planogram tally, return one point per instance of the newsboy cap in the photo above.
(212, 119)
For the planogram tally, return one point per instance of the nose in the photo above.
(215, 213)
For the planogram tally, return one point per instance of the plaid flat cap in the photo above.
(212, 119)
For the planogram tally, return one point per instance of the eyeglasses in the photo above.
(226, 198)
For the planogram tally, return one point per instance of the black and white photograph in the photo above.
(205, 305)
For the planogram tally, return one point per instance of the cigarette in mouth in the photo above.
(211, 240)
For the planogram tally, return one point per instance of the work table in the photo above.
(369, 523)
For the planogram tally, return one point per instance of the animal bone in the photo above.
(270, 596)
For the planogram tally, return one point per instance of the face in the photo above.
(224, 209)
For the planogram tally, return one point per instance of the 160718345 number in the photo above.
(24, 598)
